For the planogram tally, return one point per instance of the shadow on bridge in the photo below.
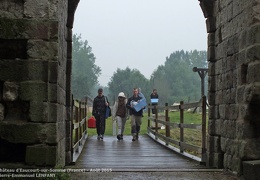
(126, 155)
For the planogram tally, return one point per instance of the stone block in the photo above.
(219, 67)
(244, 130)
(219, 97)
(253, 53)
(38, 112)
(229, 129)
(214, 144)
(212, 83)
(33, 91)
(10, 91)
(23, 70)
(51, 132)
(222, 111)
(61, 129)
(41, 155)
(211, 24)
(233, 112)
(52, 112)
(27, 133)
(61, 152)
(211, 39)
(40, 49)
(36, 8)
(240, 94)
(253, 72)
(211, 98)
(250, 149)
(211, 127)
(253, 35)
(54, 26)
(2, 112)
(52, 93)
(53, 72)
(211, 53)
(215, 160)
(251, 170)
(219, 127)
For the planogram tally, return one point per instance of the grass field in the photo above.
(191, 136)
(189, 118)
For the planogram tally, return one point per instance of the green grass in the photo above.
(191, 136)
(109, 127)
(174, 117)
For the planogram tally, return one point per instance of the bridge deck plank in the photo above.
(125, 154)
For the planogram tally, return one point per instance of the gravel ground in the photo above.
(154, 175)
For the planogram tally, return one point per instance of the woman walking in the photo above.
(119, 113)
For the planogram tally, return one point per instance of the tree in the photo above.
(84, 71)
(175, 80)
(125, 80)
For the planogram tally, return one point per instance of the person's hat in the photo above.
(100, 90)
(121, 94)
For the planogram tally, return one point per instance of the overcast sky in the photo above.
(139, 34)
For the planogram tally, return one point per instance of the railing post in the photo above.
(167, 119)
(85, 116)
(156, 118)
(181, 126)
(149, 113)
(76, 121)
(204, 155)
(80, 119)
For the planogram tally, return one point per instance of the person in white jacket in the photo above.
(119, 114)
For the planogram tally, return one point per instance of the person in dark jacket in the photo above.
(99, 109)
(136, 116)
(154, 95)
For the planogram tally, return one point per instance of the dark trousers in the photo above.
(100, 124)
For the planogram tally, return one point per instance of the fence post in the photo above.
(85, 116)
(167, 120)
(156, 118)
(80, 119)
(181, 126)
(149, 113)
(204, 155)
(76, 121)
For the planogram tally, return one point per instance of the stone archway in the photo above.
(35, 63)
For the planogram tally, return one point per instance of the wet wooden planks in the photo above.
(125, 154)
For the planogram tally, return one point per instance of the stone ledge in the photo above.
(251, 169)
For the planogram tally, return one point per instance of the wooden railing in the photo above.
(78, 127)
(179, 145)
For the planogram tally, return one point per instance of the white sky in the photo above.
(139, 34)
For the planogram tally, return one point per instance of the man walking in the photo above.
(99, 110)
(136, 116)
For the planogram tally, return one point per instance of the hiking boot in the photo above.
(134, 138)
(102, 136)
(98, 137)
(118, 137)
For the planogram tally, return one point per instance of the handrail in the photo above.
(165, 120)
(78, 127)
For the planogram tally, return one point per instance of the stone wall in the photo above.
(35, 71)
(234, 82)
(33, 56)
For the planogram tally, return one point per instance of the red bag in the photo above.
(91, 122)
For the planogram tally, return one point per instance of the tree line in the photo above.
(175, 81)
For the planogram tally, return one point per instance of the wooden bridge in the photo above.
(152, 152)
(125, 155)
